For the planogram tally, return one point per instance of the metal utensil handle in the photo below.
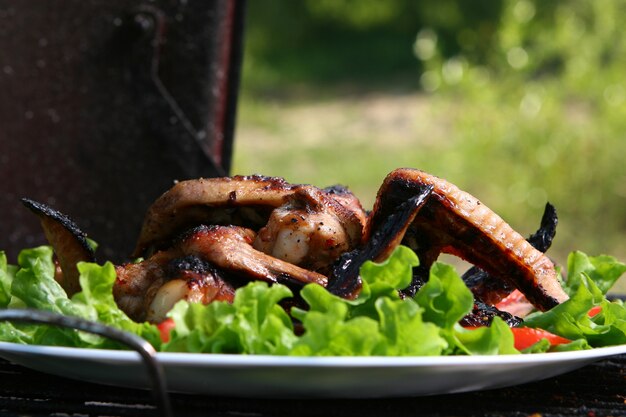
(141, 346)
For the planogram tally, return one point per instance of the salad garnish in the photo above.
(379, 322)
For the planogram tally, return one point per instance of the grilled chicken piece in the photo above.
(149, 289)
(482, 315)
(249, 202)
(349, 201)
(345, 280)
(491, 290)
(312, 229)
(69, 242)
(452, 221)
(300, 224)
(241, 200)
(227, 249)
(264, 228)
(230, 249)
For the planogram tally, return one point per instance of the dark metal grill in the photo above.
(105, 103)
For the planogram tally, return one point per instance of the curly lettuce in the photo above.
(379, 322)
(31, 284)
(589, 279)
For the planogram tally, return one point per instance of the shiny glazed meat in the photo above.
(203, 238)
(453, 221)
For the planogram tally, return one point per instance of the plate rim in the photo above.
(184, 358)
(320, 377)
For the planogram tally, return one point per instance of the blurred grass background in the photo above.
(518, 102)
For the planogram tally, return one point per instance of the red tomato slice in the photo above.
(526, 337)
(594, 310)
(165, 327)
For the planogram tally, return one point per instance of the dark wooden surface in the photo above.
(593, 391)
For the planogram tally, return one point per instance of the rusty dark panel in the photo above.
(103, 104)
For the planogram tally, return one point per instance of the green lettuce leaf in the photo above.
(445, 297)
(405, 330)
(496, 339)
(446, 300)
(603, 270)
(96, 302)
(329, 330)
(34, 286)
(384, 279)
(254, 324)
(589, 278)
(6, 278)
(378, 322)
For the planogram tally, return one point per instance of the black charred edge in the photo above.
(201, 269)
(337, 189)
(284, 278)
(540, 240)
(190, 263)
(483, 315)
(391, 195)
(543, 237)
(475, 277)
(45, 211)
(345, 280)
(420, 276)
(272, 183)
(191, 231)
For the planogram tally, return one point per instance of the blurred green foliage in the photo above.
(368, 40)
(526, 102)
(356, 40)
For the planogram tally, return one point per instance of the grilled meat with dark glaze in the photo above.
(482, 315)
(149, 289)
(490, 289)
(229, 252)
(345, 280)
(69, 242)
(312, 229)
(204, 238)
(241, 200)
(452, 221)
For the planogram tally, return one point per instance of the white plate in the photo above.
(305, 377)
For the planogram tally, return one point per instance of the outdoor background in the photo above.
(518, 102)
